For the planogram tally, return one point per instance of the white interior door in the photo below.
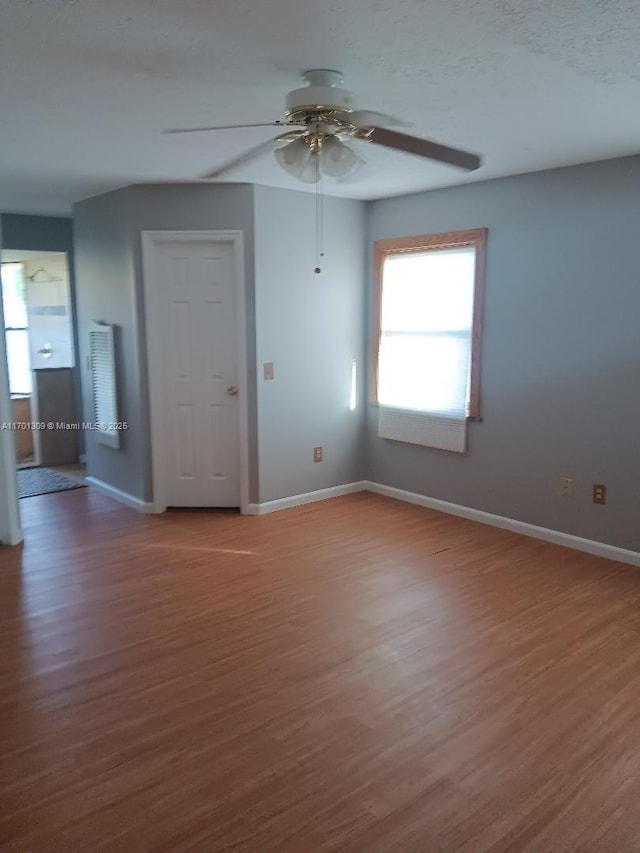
(195, 282)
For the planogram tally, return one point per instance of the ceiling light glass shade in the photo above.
(311, 172)
(337, 158)
(294, 157)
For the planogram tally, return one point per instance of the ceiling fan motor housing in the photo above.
(323, 95)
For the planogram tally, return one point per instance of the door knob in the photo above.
(232, 390)
(46, 351)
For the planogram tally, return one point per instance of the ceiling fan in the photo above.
(319, 117)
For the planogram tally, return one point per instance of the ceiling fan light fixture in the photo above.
(316, 116)
(306, 162)
(337, 158)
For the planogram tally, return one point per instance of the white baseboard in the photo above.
(556, 537)
(306, 498)
(120, 496)
(599, 549)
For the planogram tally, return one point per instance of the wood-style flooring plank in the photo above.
(353, 675)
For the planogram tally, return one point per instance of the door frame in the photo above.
(10, 521)
(153, 321)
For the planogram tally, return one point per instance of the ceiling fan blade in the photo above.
(255, 151)
(371, 118)
(226, 127)
(423, 148)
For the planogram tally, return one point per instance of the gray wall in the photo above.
(561, 355)
(312, 327)
(109, 264)
(37, 233)
(104, 249)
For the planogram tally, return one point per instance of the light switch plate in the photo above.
(268, 370)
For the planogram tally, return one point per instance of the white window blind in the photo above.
(424, 357)
(103, 383)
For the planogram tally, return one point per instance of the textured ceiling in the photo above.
(88, 85)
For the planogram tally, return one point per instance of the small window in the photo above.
(16, 330)
(429, 337)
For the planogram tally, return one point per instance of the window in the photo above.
(429, 337)
(15, 329)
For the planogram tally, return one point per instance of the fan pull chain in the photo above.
(319, 220)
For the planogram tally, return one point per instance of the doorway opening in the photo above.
(39, 338)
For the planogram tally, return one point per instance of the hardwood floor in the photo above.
(354, 675)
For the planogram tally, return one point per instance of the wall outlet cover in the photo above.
(599, 493)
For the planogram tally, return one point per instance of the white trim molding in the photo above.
(11, 532)
(306, 498)
(556, 537)
(15, 537)
(159, 442)
(120, 496)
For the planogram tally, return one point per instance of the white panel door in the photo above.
(196, 282)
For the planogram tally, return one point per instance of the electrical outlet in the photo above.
(599, 493)
(317, 454)
(268, 370)
(566, 487)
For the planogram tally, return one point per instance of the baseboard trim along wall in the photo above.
(555, 537)
(120, 496)
(598, 549)
(306, 498)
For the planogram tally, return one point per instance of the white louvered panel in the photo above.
(103, 383)
(418, 428)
